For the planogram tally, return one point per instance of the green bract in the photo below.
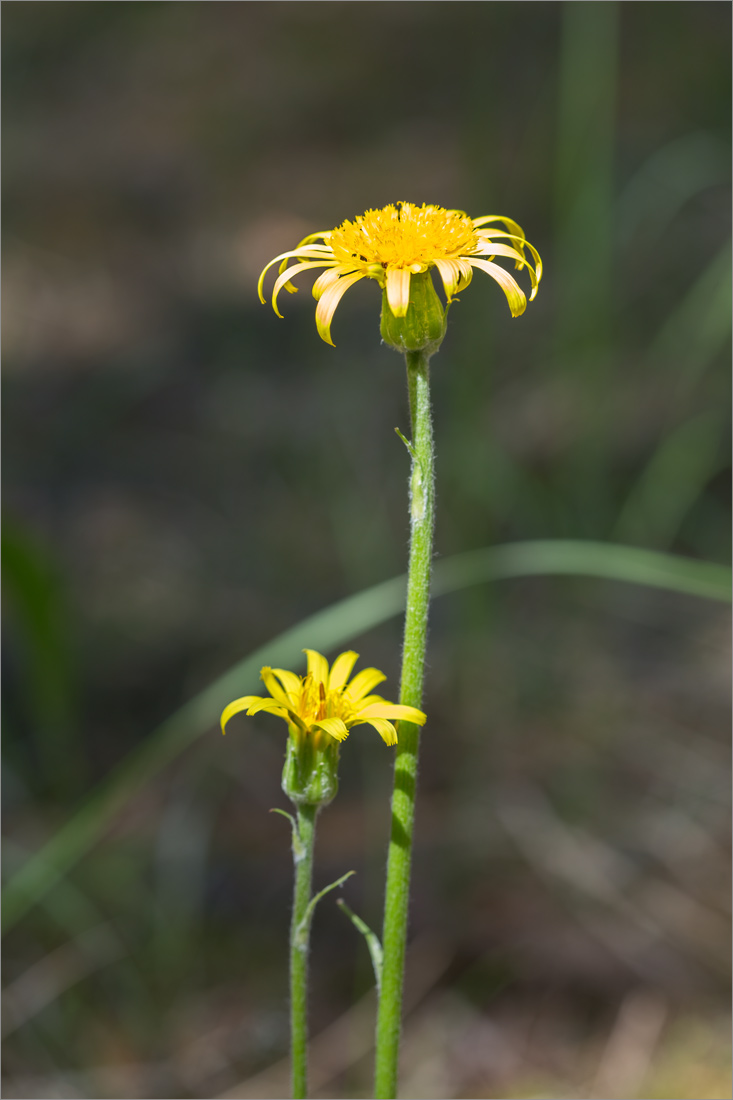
(423, 326)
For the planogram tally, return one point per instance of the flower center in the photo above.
(403, 234)
(316, 703)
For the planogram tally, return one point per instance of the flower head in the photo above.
(322, 706)
(399, 241)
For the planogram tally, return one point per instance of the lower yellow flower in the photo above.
(323, 705)
(399, 241)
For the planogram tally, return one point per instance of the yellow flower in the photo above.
(401, 240)
(323, 702)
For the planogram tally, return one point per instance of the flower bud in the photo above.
(310, 774)
(423, 326)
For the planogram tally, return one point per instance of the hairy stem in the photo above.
(303, 841)
(405, 776)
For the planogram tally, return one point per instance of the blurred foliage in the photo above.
(187, 478)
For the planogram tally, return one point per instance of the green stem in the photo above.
(405, 776)
(303, 841)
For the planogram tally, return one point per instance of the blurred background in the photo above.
(186, 477)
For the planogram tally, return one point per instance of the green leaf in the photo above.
(407, 443)
(301, 934)
(372, 941)
(298, 847)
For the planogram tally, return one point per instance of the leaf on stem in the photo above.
(298, 846)
(409, 445)
(301, 934)
(372, 941)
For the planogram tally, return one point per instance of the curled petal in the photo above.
(466, 272)
(341, 669)
(494, 249)
(450, 273)
(328, 302)
(520, 243)
(398, 290)
(514, 293)
(313, 252)
(456, 275)
(313, 237)
(328, 278)
(363, 683)
(283, 280)
(511, 225)
(333, 726)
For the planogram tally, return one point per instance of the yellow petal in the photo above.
(520, 243)
(385, 730)
(289, 680)
(398, 290)
(341, 669)
(511, 225)
(363, 683)
(274, 687)
(313, 252)
(237, 706)
(312, 237)
(287, 713)
(284, 279)
(328, 278)
(493, 249)
(514, 293)
(466, 272)
(271, 706)
(317, 666)
(328, 302)
(334, 726)
(450, 273)
(393, 710)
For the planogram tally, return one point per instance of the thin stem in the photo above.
(405, 776)
(299, 937)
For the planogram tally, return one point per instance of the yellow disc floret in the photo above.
(404, 235)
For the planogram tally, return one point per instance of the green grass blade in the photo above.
(339, 623)
(698, 329)
(584, 188)
(673, 479)
(570, 557)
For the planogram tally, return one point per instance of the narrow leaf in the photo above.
(407, 443)
(298, 847)
(301, 935)
(372, 941)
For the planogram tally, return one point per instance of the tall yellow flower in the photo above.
(401, 240)
(323, 705)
